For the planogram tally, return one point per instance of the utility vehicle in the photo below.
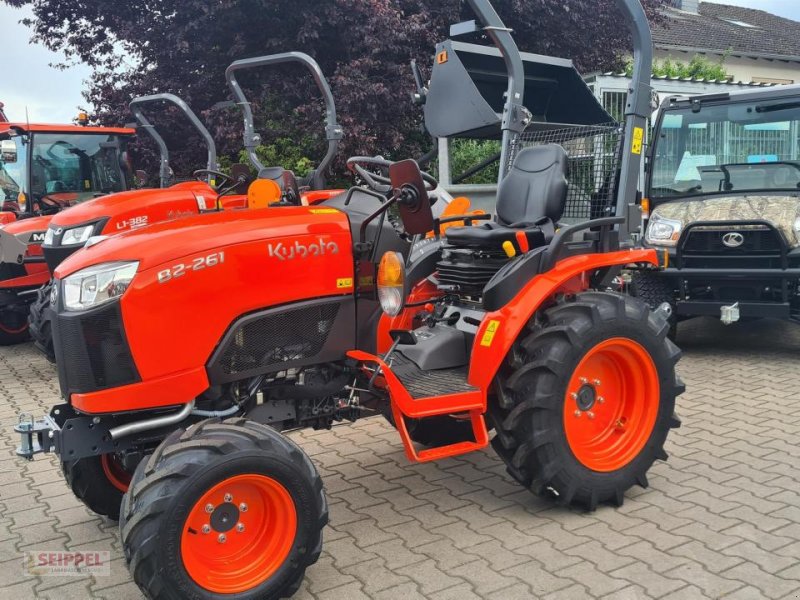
(43, 170)
(212, 191)
(305, 316)
(723, 185)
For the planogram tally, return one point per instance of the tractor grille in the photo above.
(469, 270)
(92, 351)
(261, 342)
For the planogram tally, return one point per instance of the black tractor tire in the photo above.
(88, 480)
(40, 327)
(13, 328)
(532, 403)
(654, 290)
(189, 464)
(436, 431)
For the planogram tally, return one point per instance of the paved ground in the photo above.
(721, 518)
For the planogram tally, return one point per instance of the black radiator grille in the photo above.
(276, 338)
(756, 240)
(92, 351)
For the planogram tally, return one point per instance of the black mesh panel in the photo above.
(291, 335)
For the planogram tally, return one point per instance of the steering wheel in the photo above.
(381, 183)
(200, 175)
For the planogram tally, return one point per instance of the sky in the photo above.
(53, 95)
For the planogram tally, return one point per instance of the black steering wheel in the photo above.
(219, 186)
(381, 183)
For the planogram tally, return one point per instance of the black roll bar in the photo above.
(333, 131)
(164, 169)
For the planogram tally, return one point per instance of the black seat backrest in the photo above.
(535, 187)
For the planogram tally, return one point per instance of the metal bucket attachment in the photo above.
(468, 83)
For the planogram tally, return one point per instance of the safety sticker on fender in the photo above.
(344, 283)
(323, 211)
(488, 335)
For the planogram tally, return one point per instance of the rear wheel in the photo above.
(223, 508)
(587, 398)
(99, 482)
(13, 328)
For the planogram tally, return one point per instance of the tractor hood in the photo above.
(782, 211)
(15, 237)
(170, 241)
(128, 210)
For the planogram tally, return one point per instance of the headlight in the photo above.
(76, 235)
(663, 232)
(48, 236)
(98, 284)
(391, 283)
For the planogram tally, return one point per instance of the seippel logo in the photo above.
(298, 250)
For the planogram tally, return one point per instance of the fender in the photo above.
(500, 329)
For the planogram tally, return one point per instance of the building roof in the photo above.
(720, 28)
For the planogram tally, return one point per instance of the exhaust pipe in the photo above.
(148, 424)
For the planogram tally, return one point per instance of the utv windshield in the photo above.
(734, 148)
(73, 167)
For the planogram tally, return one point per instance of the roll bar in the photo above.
(515, 116)
(333, 131)
(164, 169)
(638, 109)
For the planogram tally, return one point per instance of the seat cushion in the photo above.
(492, 236)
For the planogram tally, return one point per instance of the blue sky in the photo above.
(54, 95)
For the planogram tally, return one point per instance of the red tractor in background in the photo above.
(43, 170)
(509, 328)
(69, 230)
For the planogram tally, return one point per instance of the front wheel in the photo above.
(99, 482)
(13, 327)
(586, 399)
(223, 509)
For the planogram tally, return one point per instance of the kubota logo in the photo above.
(298, 250)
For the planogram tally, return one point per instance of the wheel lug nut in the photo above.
(209, 508)
(590, 414)
(221, 539)
(240, 527)
(206, 528)
(574, 396)
(577, 413)
(243, 507)
(600, 399)
(228, 497)
(597, 382)
(584, 380)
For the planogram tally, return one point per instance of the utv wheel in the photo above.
(223, 509)
(654, 291)
(13, 328)
(99, 482)
(587, 398)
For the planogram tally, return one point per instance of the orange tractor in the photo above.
(185, 352)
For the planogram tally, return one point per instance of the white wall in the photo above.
(743, 69)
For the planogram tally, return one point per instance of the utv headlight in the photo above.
(76, 235)
(663, 232)
(391, 283)
(97, 285)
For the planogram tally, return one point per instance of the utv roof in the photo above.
(61, 128)
(468, 83)
(760, 94)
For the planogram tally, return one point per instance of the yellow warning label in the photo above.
(366, 281)
(442, 57)
(344, 282)
(638, 140)
(323, 211)
(488, 335)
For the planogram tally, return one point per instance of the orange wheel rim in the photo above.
(115, 472)
(611, 405)
(238, 534)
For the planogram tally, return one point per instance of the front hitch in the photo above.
(37, 435)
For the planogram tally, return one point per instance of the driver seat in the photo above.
(531, 199)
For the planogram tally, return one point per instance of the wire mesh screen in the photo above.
(593, 168)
